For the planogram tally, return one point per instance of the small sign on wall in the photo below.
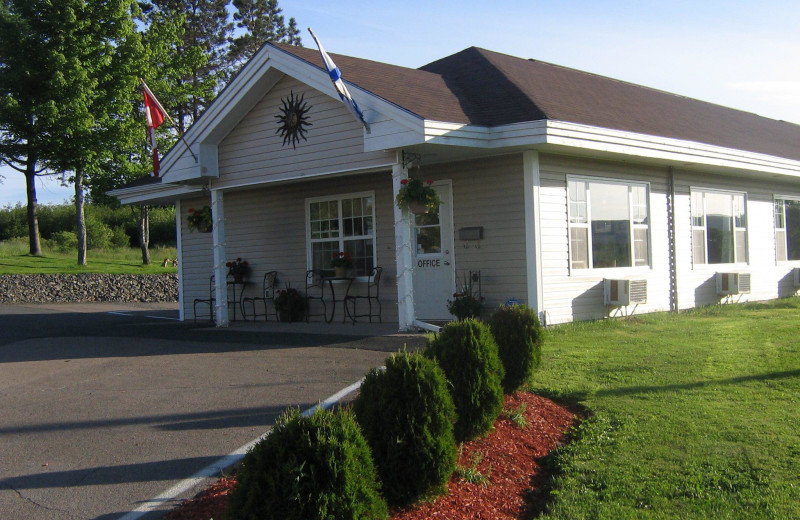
(471, 233)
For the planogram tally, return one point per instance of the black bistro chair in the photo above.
(266, 297)
(206, 301)
(315, 290)
(372, 297)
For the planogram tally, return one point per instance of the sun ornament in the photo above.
(293, 119)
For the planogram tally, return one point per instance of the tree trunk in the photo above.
(144, 234)
(33, 208)
(80, 220)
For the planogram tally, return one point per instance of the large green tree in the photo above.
(207, 28)
(34, 87)
(261, 21)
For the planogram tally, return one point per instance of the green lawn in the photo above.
(15, 260)
(695, 415)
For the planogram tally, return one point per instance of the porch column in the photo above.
(179, 244)
(403, 256)
(220, 272)
(533, 232)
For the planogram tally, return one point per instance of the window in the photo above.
(719, 227)
(345, 223)
(609, 224)
(787, 229)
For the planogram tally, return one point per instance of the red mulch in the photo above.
(507, 456)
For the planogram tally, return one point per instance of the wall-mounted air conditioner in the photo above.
(619, 292)
(796, 276)
(733, 283)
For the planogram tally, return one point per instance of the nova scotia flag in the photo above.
(338, 83)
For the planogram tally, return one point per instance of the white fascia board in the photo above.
(665, 148)
(605, 140)
(157, 192)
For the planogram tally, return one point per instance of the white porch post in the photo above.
(533, 232)
(220, 273)
(179, 240)
(403, 257)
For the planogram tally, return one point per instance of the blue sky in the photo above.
(744, 55)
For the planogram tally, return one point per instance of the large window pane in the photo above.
(793, 229)
(350, 230)
(611, 241)
(719, 222)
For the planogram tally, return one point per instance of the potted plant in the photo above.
(417, 196)
(465, 303)
(200, 219)
(238, 269)
(289, 304)
(341, 262)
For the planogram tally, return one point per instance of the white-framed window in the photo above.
(787, 229)
(342, 223)
(609, 223)
(719, 227)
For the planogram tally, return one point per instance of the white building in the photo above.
(554, 182)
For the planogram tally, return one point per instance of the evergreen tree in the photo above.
(208, 30)
(262, 21)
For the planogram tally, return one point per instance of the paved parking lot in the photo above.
(104, 406)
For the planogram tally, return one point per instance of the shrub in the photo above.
(119, 238)
(467, 353)
(407, 416)
(64, 241)
(315, 467)
(98, 235)
(519, 337)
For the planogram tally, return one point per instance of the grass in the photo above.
(14, 259)
(694, 415)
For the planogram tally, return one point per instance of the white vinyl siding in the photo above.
(254, 153)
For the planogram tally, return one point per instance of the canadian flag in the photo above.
(155, 114)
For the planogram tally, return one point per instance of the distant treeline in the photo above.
(106, 227)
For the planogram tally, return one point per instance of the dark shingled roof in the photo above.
(486, 88)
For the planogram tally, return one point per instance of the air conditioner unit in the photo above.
(733, 283)
(796, 276)
(618, 292)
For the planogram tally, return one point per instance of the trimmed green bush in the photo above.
(307, 468)
(467, 353)
(407, 416)
(519, 337)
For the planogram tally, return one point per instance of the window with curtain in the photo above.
(719, 227)
(609, 224)
(345, 223)
(787, 229)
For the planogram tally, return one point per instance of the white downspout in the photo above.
(220, 273)
(403, 256)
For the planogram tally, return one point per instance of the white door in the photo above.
(434, 268)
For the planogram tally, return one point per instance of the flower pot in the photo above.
(417, 208)
(339, 272)
(204, 228)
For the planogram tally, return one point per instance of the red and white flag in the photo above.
(155, 114)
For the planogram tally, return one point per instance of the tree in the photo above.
(206, 28)
(262, 21)
(33, 90)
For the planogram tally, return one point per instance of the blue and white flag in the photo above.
(338, 83)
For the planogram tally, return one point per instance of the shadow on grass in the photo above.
(695, 385)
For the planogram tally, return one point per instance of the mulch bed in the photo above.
(507, 456)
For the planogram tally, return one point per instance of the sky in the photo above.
(740, 54)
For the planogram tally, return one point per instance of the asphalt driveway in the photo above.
(104, 406)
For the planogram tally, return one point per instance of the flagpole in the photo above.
(166, 114)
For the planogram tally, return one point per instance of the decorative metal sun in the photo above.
(293, 119)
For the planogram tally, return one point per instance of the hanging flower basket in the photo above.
(417, 196)
(200, 219)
